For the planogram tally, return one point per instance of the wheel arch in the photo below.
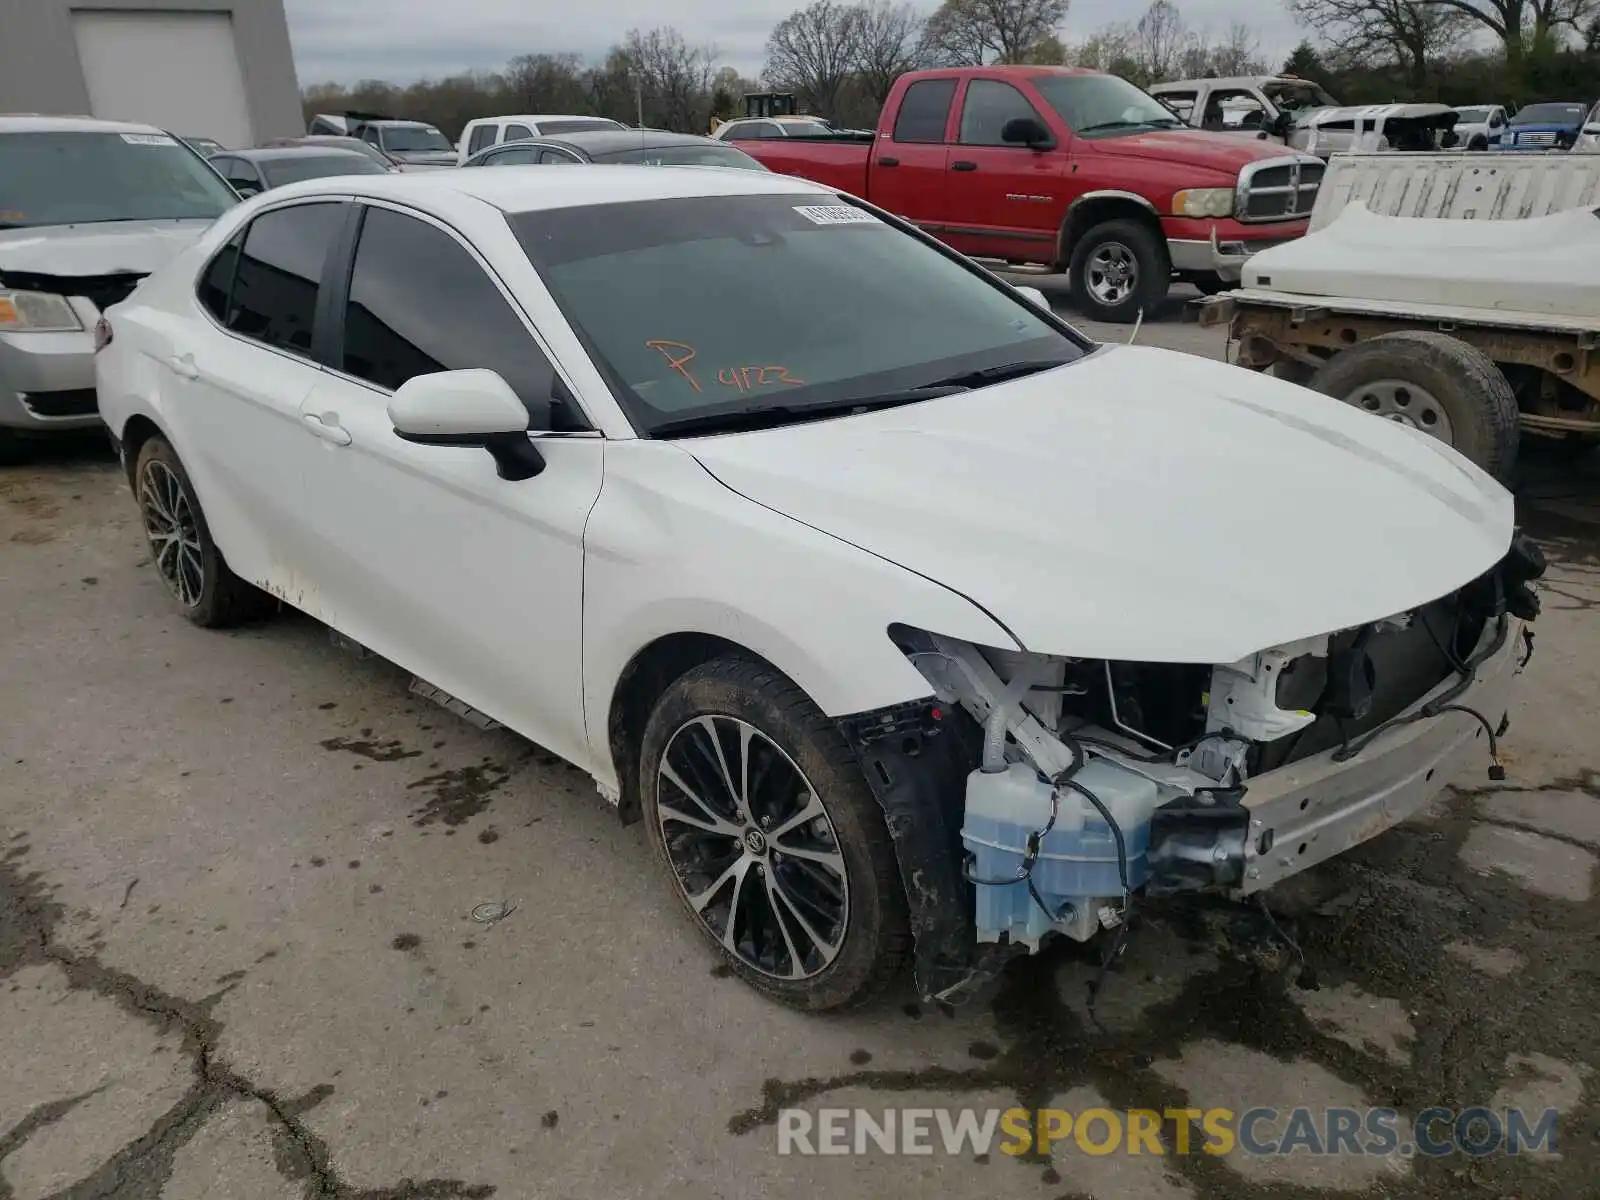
(1096, 208)
(645, 677)
(136, 431)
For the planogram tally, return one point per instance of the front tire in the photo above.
(760, 813)
(1434, 383)
(181, 547)
(1117, 269)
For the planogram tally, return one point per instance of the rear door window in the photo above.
(216, 284)
(279, 273)
(924, 111)
(482, 135)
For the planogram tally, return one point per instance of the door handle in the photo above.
(183, 365)
(326, 426)
(886, 161)
(963, 165)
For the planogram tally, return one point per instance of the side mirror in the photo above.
(1281, 124)
(1026, 131)
(1035, 296)
(467, 408)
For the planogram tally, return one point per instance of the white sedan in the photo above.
(913, 623)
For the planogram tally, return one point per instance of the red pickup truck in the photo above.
(1074, 169)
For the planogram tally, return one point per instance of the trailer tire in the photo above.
(1142, 274)
(1435, 383)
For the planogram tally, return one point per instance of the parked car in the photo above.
(744, 129)
(253, 171)
(203, 146)
(1480, 126)
(333, 141)
(413, 143)
(1074, 169)
(484, 132)
(1298, 113)
(638, 147)
(1549, 125)
(872, 617)
(87, 209)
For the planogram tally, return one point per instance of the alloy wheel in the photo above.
(1113, 273)
(752, 847)
(174, 533)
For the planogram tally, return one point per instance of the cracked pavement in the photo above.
(237, 955)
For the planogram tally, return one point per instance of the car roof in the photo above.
(526, 189)
(38, 123)
(274, 153)
(615, 141)
(543, 117)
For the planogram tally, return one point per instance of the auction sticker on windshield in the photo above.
(147, 139)
(835, 214)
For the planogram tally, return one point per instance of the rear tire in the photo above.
(181, 547)
(733, 755)
(1435, 383)
(1117, 269)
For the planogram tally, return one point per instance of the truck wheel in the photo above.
(1117, 269)
(1435, 383)
(186, 558)
(776, 847)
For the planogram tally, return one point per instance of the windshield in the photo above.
(1103, 105)
(712, 154)
(408, 138)
(810, 302)
(85, 178)
(1549, 114)
(280, 171)
(1297, 95)
(1472, 116)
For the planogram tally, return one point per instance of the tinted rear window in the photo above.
(316, 166)
(577, 125)
(83, 178)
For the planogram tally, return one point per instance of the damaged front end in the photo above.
(1035, 795)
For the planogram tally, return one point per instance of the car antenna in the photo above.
(1138, 324)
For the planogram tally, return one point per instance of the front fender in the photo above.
(668, 549)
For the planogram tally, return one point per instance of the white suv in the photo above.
(491, 131)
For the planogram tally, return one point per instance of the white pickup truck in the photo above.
(1458, 294)
(1300, 114)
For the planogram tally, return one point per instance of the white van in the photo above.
(489, 131)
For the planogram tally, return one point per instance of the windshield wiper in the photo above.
(1005, 371)
(763, 416)
(1156, 123)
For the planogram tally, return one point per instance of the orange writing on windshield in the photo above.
(678, 356)
(745, 378)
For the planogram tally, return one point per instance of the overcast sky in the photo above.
(403, 40)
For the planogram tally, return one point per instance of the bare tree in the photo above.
(813, 50)
(674, 77)
(545, 82)
(1416, 33)
(967, 32)
(1101, 49)
(1508, 19)
(889, 43)
(1159, 40)
(1239, 52)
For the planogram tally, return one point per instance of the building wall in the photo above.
(40, 70)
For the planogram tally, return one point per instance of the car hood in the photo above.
(1225, 152)
(102, 248)
(1140, 505)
